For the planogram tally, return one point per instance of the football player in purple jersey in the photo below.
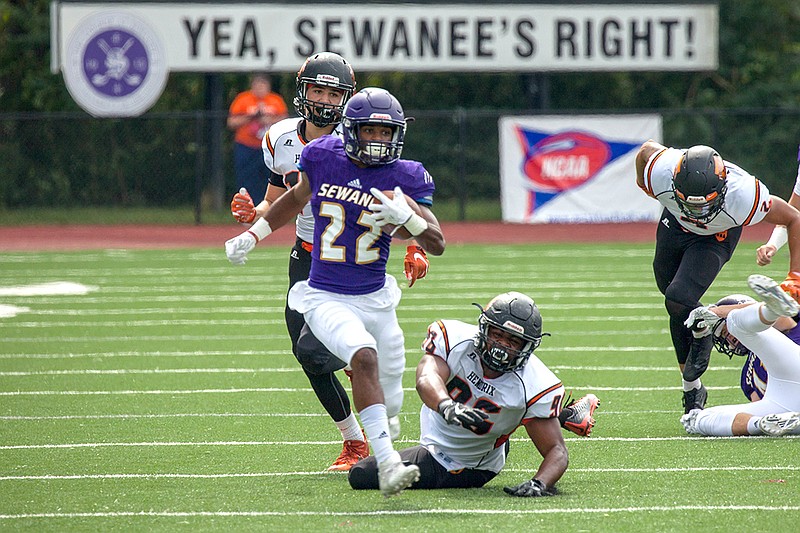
(748, 328)
(349, 300)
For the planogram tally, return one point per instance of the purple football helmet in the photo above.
(372, 105)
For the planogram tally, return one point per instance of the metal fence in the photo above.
(184, 158)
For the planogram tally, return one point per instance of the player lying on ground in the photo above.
(478, 385)
(740, 329)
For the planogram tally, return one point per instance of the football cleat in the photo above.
(580, 420)
(775, 298)
(352, 452)
(780, 424)
(393, 477)
(694, 399)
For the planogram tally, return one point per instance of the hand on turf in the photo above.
(532, 488)
(238, 247)
(792, 285)
(242, 207)
(458, 414)
(395, 211)
(415, 264)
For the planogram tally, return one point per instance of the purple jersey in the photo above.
(350, 250)
(754, 375)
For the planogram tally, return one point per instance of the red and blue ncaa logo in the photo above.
(565, 160)
(115, 65)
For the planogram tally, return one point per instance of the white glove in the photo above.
(701, 321)
(237, 248)
(395, 211)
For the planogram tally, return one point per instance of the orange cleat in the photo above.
(352, 452)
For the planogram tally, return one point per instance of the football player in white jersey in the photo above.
(325, 83)
(746, 328)
(478, 385)
(706, 203)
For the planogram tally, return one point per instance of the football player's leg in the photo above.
(391, 360)
(778, 352)
(701, 264)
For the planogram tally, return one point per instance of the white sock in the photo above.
(752, 426)
(350, 428)
(376, 425)
(715, 424)
(689, 385)
(768, 314)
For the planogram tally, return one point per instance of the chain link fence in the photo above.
(184, 158)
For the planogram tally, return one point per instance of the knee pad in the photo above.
(313, 356)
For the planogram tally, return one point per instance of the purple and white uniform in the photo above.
(349, 300)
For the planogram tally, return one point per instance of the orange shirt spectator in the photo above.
(251, 114)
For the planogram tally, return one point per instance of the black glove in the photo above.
(459, 414)
(530, 489)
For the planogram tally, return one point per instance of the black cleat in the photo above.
(694, 399)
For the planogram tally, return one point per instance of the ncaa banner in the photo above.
(574, 169)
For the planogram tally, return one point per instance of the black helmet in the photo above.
(517, 314)
(724, 342)
(700, 183)
(328, 70)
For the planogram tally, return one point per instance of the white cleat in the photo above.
(775, 298)
(394, 477)
(780, 424)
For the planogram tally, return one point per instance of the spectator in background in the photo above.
(251, 114)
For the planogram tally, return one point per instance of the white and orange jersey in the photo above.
(282, 145)
(747, 200)
(509, 400)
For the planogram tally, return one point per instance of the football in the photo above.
(401, 233)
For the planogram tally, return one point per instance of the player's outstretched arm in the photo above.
(281, 212)
(780, 212)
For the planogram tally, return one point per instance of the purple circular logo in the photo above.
(115, 63)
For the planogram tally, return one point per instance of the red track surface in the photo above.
(32, 238)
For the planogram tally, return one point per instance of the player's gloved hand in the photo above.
(458, 414)
(701, 322)
(395, 211)
(242, 207)
(415, 264)
(238, 247)
(792, 285)
(532, 488)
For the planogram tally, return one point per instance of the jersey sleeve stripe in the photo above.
(542, 394)
(445, 339)
(270, 147)
(754, 209)
(648, 173)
